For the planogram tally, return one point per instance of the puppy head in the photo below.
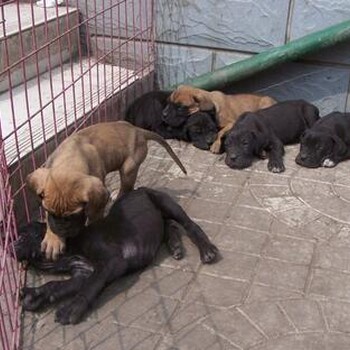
(201, 129)
(316, 147)
(69, 199)
(183, 102)
(240, 148)
(245, 141)
(27, 246)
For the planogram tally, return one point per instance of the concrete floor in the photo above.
(283, 281)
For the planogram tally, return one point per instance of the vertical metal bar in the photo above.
(98, 60)
(104, 14)
(112, 51)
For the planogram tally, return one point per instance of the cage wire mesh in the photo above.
(62, 68)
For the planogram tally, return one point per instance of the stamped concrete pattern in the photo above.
(282, 283)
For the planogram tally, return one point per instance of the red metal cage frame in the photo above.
(63, 68)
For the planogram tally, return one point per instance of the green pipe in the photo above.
(262, 61)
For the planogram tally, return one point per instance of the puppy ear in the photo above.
(260, 141)
(204, 102)
(95, 196)
(339, 147)
(37, 180)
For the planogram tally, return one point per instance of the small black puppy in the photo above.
(327, 143)
(147, 113)
(126, 240)
(201, 130)
(147, 110)
(267, 131)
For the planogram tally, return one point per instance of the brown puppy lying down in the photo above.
(71, 184)
(186, 100)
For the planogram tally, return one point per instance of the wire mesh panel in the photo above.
(11, 275)
(61, 68)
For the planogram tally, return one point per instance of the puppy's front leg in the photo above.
(72, 311)
(275, 163)
(52, 245)
(216, 147)
(77, 266)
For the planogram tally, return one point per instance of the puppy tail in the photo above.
(149, 135)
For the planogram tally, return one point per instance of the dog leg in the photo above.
(38, 297)
(52, 245)
(173, 239)
(72, 311)
(129, 170)
(275, 163)
(329, 163)
(171, 210)
(216, 147)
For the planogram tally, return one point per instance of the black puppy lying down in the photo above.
(126, 240)
(147, 112)
(327, 143)
(267, 131)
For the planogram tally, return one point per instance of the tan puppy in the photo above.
(71, 184)
(186, 100)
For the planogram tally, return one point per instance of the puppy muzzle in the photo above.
(202, 145)
(69, 226)
(307, 162)
(171, 117)
(238, 162)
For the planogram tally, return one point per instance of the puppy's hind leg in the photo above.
(171, 210)
(173, 239)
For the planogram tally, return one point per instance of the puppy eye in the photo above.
(181, 108)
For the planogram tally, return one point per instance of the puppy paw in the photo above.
(72, 311)
(328, 163)
(177, 253)
(263, 154)
(276, 166)
(216, 147)
(209, 254)
(33, 299)
(52, 246)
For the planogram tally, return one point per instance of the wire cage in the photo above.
(62, 68)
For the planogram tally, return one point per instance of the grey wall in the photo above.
(197, 36)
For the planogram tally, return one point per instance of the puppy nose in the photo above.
(233, 156)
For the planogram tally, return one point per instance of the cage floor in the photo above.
(283, 281)
(49, 109)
